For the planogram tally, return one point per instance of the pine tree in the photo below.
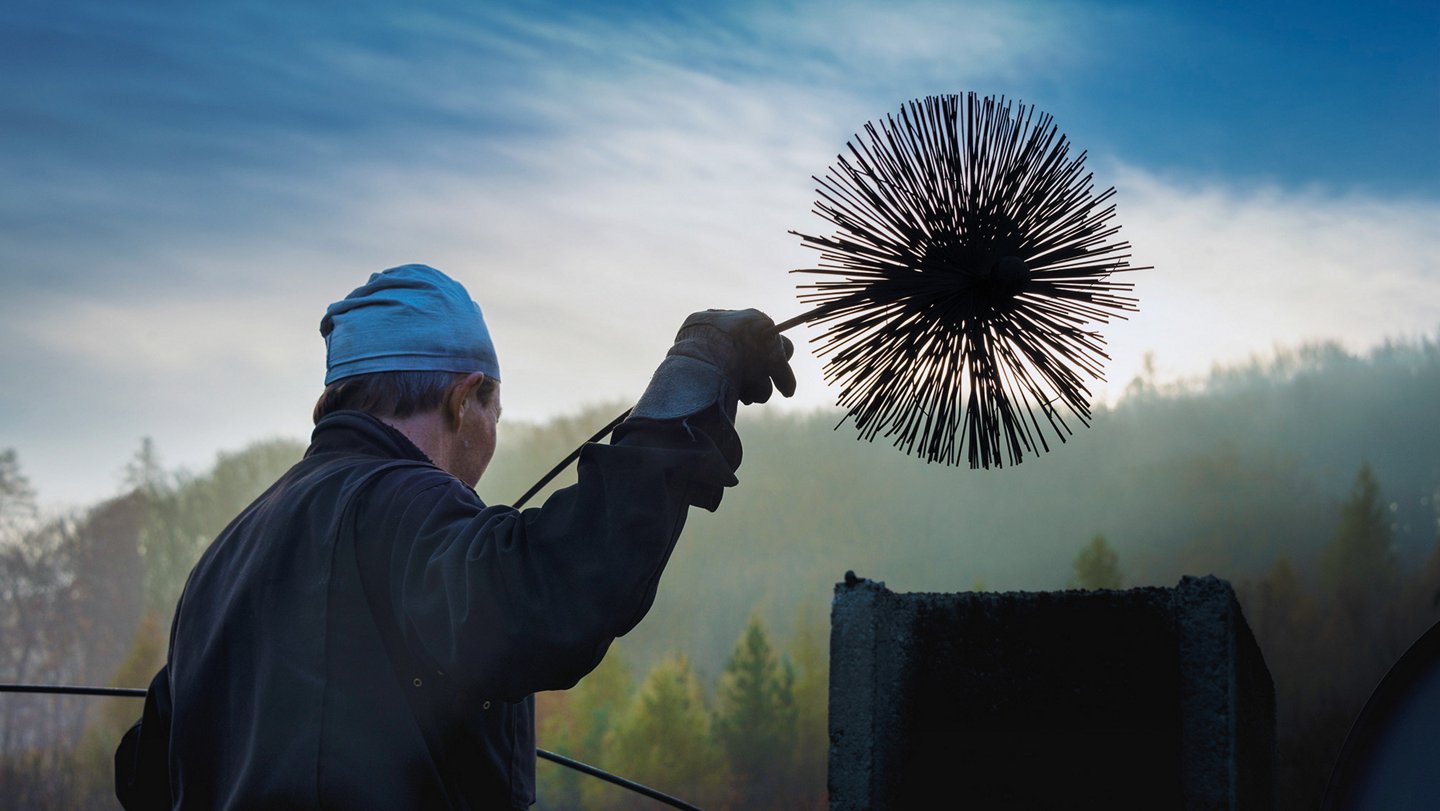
(1359, 567)
(1097, 566)
(144, 472)
(663, 740)
(186, 512)
(809, 650)
(17, 499)
(756, 721)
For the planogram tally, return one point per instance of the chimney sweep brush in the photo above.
(970, 254)
(970, 258)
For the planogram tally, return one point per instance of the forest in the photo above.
(1308, 478)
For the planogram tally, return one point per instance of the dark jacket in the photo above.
(369, 634)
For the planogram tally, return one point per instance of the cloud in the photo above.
(591, 175)
(1243, 269)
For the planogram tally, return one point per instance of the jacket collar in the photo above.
(355, 432)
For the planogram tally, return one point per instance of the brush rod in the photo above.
(811, 315)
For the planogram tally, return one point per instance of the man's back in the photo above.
(368, 634)
(282, 688)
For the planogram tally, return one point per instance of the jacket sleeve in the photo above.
(507, 603)
(142, 761)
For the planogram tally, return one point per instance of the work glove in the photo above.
(745, 346)
(719, 356)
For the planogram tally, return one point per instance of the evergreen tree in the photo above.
(17, 499)
(144, 472)
(1097, 566)
(810, 651)
(1284, 617)
(756, 721)
(664, 741)
(1358, 566)
(168, 545)
(575, 723)
(186, 511)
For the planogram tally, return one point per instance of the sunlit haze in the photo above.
(187, 187)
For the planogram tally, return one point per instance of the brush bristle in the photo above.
(971, 258)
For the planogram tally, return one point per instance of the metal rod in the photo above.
(74, 690)
(575, 454)
(136, 692)
(619, 781)
(604, 432)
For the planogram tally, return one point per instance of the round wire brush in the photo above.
(971, 253)
(971, 257)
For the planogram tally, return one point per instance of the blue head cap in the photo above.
(411, 318)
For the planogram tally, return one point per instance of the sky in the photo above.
(185, 187)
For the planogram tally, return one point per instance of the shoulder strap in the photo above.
(417, 681)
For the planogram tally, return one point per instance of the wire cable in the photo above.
(585, 768)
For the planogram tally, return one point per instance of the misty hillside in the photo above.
(1222, 477)
(1288, 477)
(1310, 480)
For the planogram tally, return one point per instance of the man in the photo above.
(368, 634)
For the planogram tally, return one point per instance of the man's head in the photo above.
(400, 395)
(411, 347)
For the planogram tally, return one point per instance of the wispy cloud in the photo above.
(193, 187)
(1242, 269)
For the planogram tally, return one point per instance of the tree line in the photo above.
(1309, 480)
(1327, 636)
(755, 739)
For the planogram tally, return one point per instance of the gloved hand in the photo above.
(719, 355)
(745, 346)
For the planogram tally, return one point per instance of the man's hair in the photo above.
(393, 394)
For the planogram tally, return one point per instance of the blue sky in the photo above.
(186, 186)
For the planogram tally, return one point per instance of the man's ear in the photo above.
(457, 399)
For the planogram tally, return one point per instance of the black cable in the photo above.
(136, 692)
(619, 781)
(575, 454)
(73, 690)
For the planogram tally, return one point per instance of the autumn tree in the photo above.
(106, 603)
(575, 723)
(38, 643)
(33, 594)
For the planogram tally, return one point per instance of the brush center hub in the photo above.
(1007, 276)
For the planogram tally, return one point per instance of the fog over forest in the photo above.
(1219, 476)
(1310, 480)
